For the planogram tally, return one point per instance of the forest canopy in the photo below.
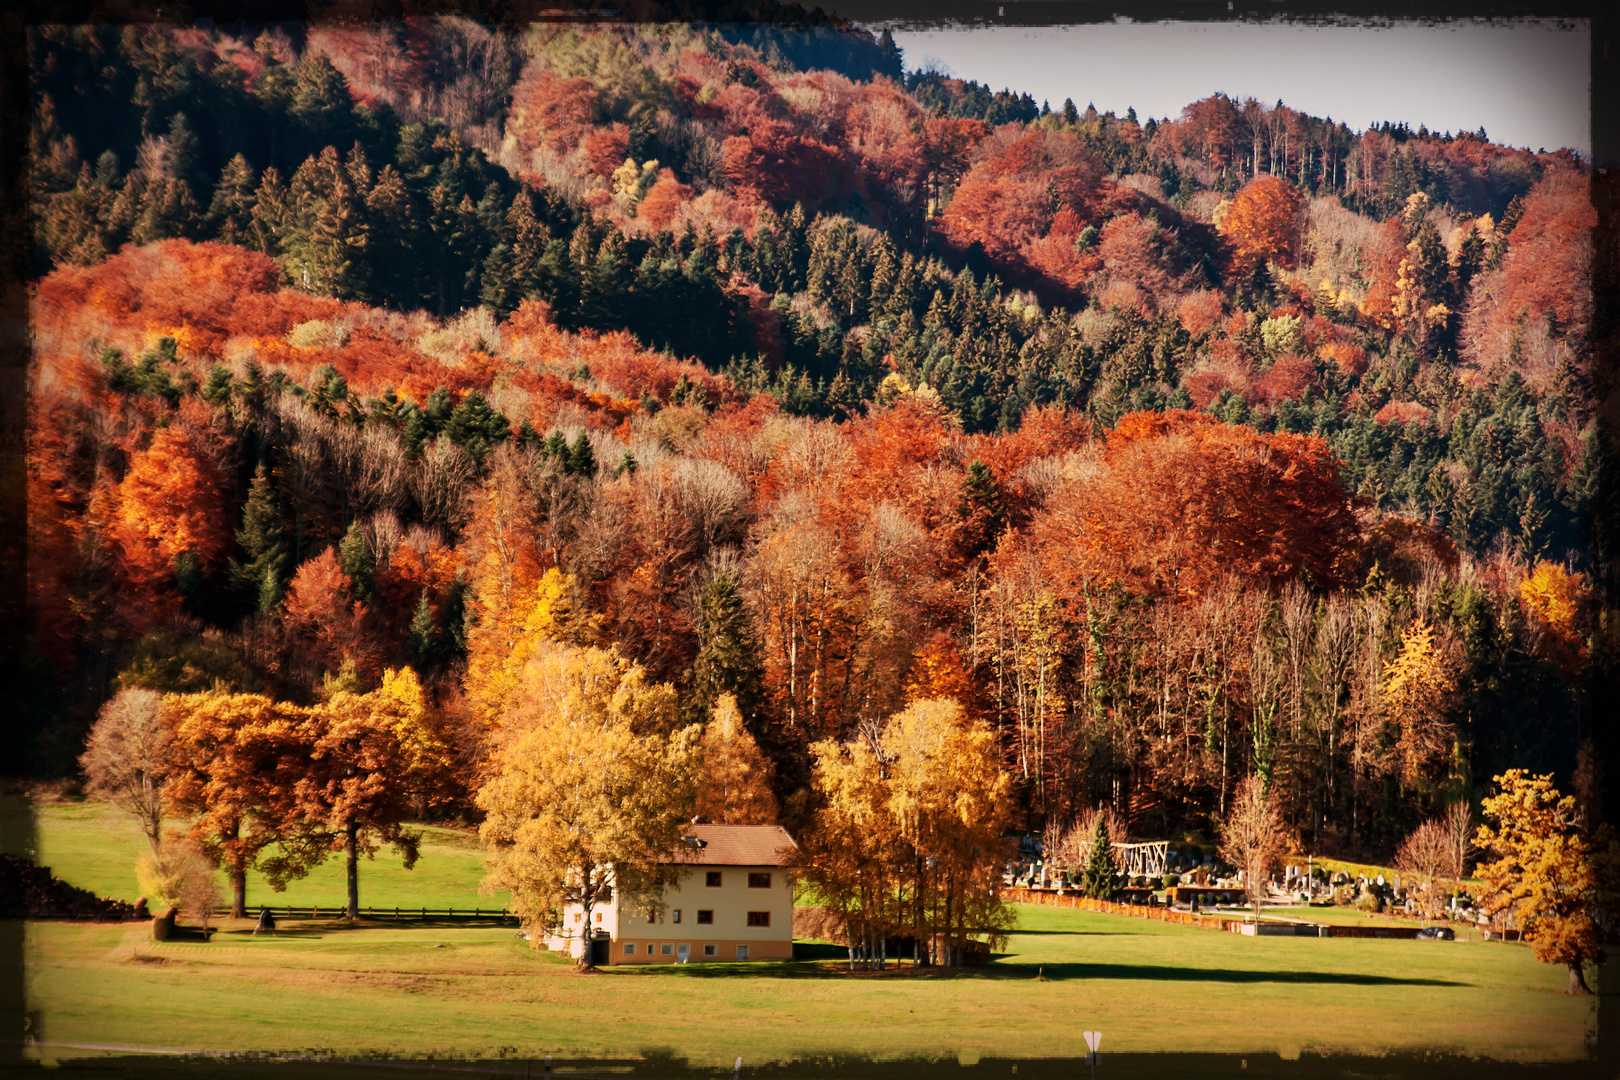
(1164, 453)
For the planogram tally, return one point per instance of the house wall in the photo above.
(731, 901)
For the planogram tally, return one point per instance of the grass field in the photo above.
(94, 846)
(427, 989)
(1152, 987)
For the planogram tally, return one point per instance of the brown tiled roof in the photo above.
(737, 845)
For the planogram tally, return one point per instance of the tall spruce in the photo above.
(1100, 880)
(230, 215)
(358, 562)
(728, 658)
(261, 578)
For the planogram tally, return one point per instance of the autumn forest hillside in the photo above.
(1178, 449)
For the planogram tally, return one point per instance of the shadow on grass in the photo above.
(816, 960)
(1166, 973)
(663, 1064)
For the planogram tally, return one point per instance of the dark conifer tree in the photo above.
(357, 561)
(230, 214)
(1100, 880)
(728, 658)
(269, 217)
(581, 458)
(981, 508)
(393, 239)
(477, 428)
(424, 635)
(260, 578)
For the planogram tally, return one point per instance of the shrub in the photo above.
(1169, 881)
(318, 334)
(1370, 902)
(179, 877)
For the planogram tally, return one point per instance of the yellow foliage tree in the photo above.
(1416, 695)
(496, 668)
(735, 788)
(948, 795)
(1557, 599)
(908, 833)
(1547, 871)
(589, 787)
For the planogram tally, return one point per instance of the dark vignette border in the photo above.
(1603, 526)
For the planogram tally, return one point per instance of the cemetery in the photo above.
(1303, 899)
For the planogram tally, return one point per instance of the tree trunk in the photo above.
(351, 850)
(239, 892)
(1577, 979)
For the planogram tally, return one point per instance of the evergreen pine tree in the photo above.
(527, 237)
(728, 658)
(498, 291)
(983, 513)
(230, 214)
(328, 246)
(261, 578)
(357, 561)
(424, 639)
(581, 458)
(477, 428)
(393, 239)
(1100, 880)
(269, 215)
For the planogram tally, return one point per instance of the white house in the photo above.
(733, 902)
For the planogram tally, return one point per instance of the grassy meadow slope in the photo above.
(1151, 987)
(93, 846)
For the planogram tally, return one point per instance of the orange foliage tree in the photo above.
(1262, 224)
(1179, 500)
(169, 512)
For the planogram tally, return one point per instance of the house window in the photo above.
(665, 949)
(712, 879)
(629, 948)
(759, 881)
(759, 918)
(676, 913)
(598, 916)
(579, 917)
(710, 950)
(705, 918)
(652, 917)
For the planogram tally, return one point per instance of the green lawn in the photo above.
(416, 990)
(94, 846)
(1151, 987)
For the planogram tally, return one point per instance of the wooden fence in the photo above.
(1214, 922)
(338, 911)
(1135, 911)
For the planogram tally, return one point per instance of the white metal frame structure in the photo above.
(1140, 860)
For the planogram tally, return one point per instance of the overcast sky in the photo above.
(1525, 82)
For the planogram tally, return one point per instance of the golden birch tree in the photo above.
(589, 787)
(1547, 871)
